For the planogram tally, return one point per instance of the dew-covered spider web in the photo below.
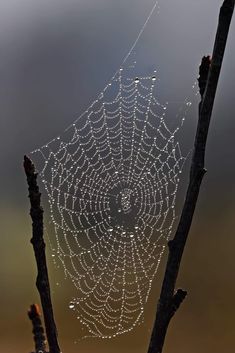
(111, 180)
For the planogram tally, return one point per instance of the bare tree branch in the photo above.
(36, 213)
(169, 301)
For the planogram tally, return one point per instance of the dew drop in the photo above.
(71, 305)
(137, 80)
(154, 78)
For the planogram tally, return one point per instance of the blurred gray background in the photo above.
(55, 57)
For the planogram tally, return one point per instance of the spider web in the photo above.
(111, 180)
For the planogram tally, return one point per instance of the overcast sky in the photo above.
(55, 58)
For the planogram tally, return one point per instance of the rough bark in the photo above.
(38, 243)
(170, 300)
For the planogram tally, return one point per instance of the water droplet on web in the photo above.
(71, 305)
(154, 78)
(137, 80)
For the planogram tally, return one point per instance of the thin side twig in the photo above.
(38, 330)
(170, 300)
(42, 282)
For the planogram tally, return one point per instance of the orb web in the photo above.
(111, 180)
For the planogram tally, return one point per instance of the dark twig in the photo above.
(169, 301)
(38, 243)
(38, 330)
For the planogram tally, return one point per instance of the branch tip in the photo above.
(33, 311)
(28, 166)
(38, 330)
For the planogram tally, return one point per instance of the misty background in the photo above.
(56, 57)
